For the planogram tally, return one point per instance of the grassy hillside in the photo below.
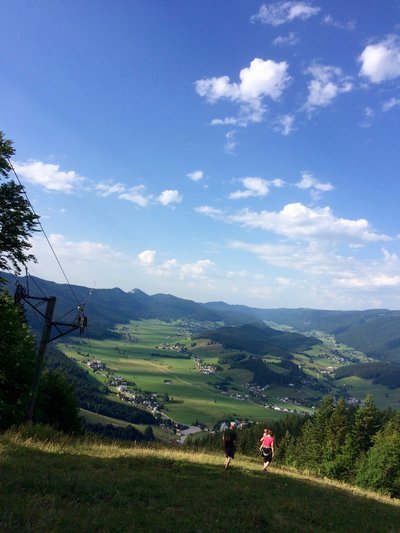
(59, 484)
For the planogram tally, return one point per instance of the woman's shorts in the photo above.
(267, 454)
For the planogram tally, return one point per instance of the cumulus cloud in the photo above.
(254, 186)
(196, 175)
(169, 197)
(172, 268)
(282, 12)
(147, 257)
(381, 61)
(196, 270)
(298, 221)
(49, 176)
(327, 83)
(263, 78)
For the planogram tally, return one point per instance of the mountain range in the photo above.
(376, 332)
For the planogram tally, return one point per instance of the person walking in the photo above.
(267, 447)
(229, 438)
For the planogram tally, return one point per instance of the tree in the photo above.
(17, 362)
(366, 424)
(57, 404)
(380, 469)
(17, 220)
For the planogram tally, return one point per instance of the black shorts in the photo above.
(229, 451)
(267, 454)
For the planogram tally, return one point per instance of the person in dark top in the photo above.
(229, 438)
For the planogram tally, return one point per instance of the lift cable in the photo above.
(43, 231)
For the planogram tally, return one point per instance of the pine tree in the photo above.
(366, 424)
(380, 470)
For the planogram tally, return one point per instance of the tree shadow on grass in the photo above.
(142, 490)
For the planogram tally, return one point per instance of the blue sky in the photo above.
(227, 150)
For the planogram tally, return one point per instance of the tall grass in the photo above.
(56, 484)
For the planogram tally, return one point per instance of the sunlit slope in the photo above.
(64, 485)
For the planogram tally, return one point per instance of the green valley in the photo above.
(176, 369)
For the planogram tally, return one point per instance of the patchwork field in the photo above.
(164, 358)
(142, 360)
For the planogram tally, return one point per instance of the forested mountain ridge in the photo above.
(375, 331)
(260, 339)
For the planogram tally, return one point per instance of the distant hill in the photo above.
(376, 332)
(107, 307)
(260, 339)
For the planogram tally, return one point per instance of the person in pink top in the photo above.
(267, 447)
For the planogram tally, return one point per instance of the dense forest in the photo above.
(259, 339)
(380, 373)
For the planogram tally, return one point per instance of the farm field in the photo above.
(383, 396)
(139, 358)
(163, 358)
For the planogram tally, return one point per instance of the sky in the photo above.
(216, 150)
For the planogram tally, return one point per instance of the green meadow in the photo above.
(144, 354)
(154, 369)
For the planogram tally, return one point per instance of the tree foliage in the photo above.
(17, 362)
(17, 220)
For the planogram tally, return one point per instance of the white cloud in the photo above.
(263, 78)
(170, 197)
(330, 21)
(147, 257)
(317, 273)
(171, 267)
(196, 270)
(230, 143)
(85, 262)
(309, 182)
(284, 124)
(105, 189)
(369, 114)
(393, 102)
(290, 39)
(301, 222)
(255, 187)
(327, 84)
(211, 212)
(136, 196)
(49, 176)
(381, 61)
(196, 175)
(282, 12)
